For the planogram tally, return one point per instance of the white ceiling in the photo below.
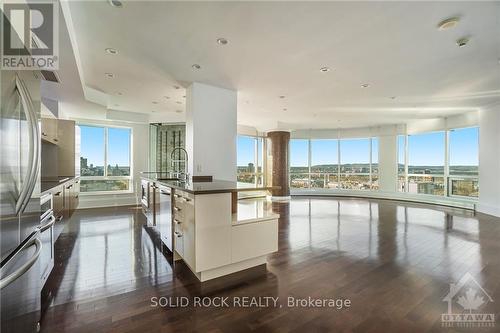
(277, 48)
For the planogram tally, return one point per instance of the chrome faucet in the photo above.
(182, 175)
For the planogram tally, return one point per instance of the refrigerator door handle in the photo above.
(27, 265)
(49, 224)
(34, 148)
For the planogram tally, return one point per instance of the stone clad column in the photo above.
(277, 162)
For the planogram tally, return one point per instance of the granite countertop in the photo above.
(215, 186)
(48, 184)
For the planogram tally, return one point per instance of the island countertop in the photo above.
(215, 186)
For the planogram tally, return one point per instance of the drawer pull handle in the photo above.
(176, 221)
(177, 209)
(178, 234)
(176, 196)
(58, 194)
(187, 199)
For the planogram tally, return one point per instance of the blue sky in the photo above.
(92, 145)
(246, 150)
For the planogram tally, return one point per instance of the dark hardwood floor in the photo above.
(393, 261)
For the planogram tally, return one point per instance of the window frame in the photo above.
(259, 161)
(129, 178)
(339, 173)
(447, 177)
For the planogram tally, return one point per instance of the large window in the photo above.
(464, 162)
(250, 160)
(426, 154)
(316, 164)
(299, 164)
(104, 159)
(355, 164)
(427, 170)
(324, 163)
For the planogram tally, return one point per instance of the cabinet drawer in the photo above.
(179, 243)
(253, 240)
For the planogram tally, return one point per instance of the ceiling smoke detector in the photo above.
(222, 41)
(448, 23)
(112, 51)
(115, 3)
(365, 85)
(462, 41)
(109, 75)
(196, 66)
(324, 69)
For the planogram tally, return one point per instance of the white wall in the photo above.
(388, 162)
(211, 131)
(489, 161)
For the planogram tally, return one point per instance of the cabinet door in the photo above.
(49, 130)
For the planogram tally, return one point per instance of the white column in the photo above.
(388, 162)
(489, 161)
(211, 131)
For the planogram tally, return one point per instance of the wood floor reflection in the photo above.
(394, 261)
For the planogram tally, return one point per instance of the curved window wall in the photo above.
(441, 163)
(334, 164)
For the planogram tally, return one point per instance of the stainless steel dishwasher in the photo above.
(164, 215)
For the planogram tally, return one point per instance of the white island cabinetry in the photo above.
(213, 242)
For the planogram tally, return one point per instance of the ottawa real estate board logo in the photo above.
(467, 302)
(30, 35)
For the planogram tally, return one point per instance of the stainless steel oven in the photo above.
(47, 221)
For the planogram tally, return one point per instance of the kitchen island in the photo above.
(208, 231)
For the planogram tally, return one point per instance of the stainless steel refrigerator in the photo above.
(20, 243)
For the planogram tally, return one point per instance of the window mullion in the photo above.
(105, 151)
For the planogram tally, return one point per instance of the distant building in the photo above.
(83, 162)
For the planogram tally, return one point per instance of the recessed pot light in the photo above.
(222, 41)
(177, 87)
(448, 23)
(461, 42)
(167, 97)
(109, 75)
(282, 96)
(120, 93)
(110, 50)
(392, 97)
(115, 3)
(154, 102)
(195, 66)
(365, 85)
(324, 69)
(285, 109)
